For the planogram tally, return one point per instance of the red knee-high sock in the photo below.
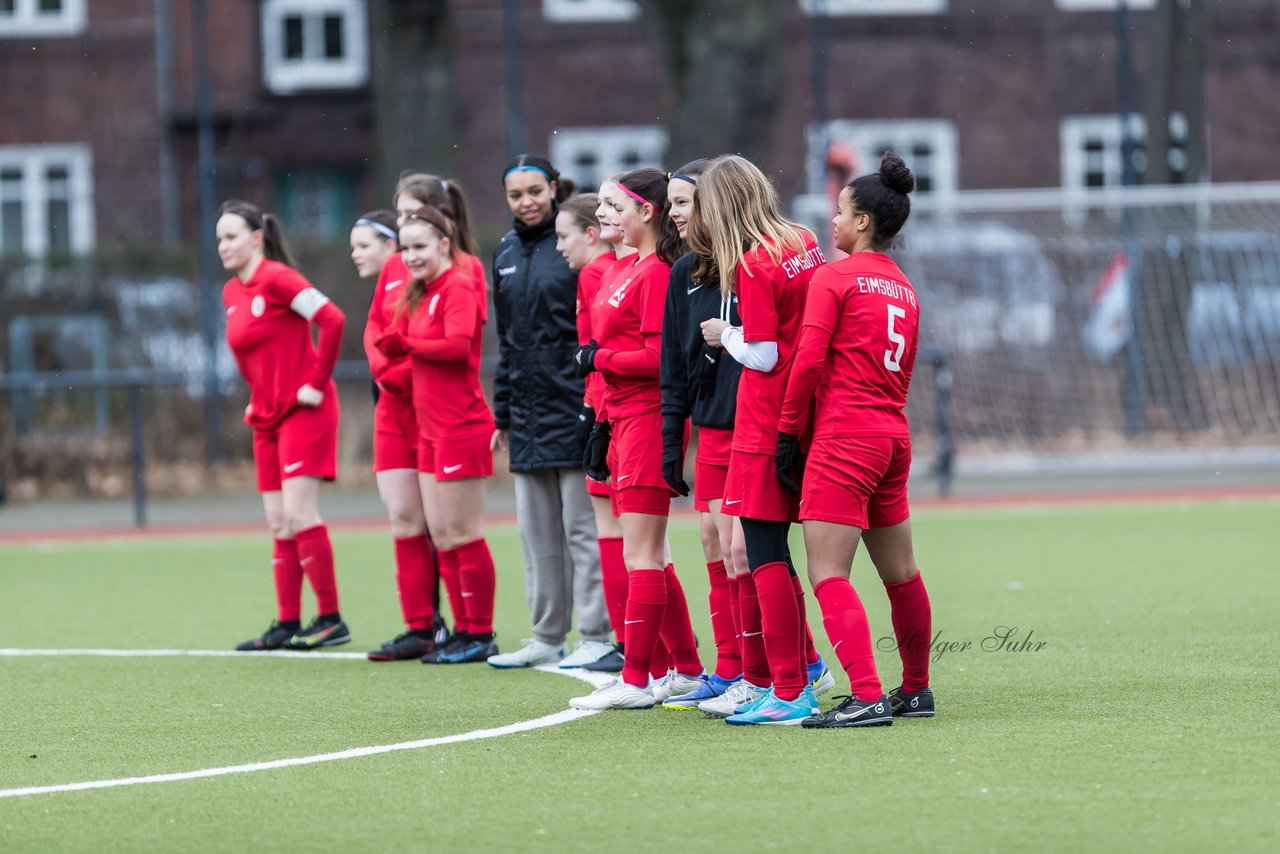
(913, 627)
(288, 578)
(736, 611)
(780, 620)
(613, 578)
(416, 580)
(810, 651)
(646, 601)
(660, 661)
(720, 601)
(677, 629)
(478, 580)
(315, 553)
(849, 632)
(755, 664)
(450, 572)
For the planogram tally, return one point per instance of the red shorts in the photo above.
(457, 456)
(395, 433)
(598, 488)
(752, 489)
(860, 482)
(635, 466)
(304, 444)
(712, 467)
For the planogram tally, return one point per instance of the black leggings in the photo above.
(766, 543)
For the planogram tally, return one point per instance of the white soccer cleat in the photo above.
(740, 693)
(586, 652)
(615, 694)
(675, 684)
(530, 653)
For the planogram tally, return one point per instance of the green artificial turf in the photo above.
(1145, 721)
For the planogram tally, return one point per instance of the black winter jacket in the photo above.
(535, 393)
(688, 304)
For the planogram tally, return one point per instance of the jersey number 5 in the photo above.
(893, 358)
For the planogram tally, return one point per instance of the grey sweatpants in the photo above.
(561, 555)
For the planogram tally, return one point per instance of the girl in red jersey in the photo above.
(859, 344)
(395, 446)
(625, 348)
(581, 239)
(768, 262)
(293, 410)
(439, 321)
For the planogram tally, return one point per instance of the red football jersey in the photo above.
(590, 278)
(857, 348)
(626, 312)
(771, 298)
(393, 375)
(269, 333)
(447, 395)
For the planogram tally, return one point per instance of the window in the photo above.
(48, 18)
(46, 199)
(1101, 5)
(873, 7)
(927, 145)
(1091, 155)
(589, 155)
(570, 11)
(314, 44)
(317, 201)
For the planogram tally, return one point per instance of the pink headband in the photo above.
(624, 188)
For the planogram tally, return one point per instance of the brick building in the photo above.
(99, 145)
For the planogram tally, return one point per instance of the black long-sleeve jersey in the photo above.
(688, 304)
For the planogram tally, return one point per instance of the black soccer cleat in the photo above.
(451, 646)
(276, 636)
(852, 713)
(404, 647)
(917, 705)
(470, 649)
(322, 631)
(611, 662)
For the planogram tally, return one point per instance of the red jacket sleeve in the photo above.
(331, 321)
(821, 314)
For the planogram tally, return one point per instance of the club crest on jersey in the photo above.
(258, 306)
(431, 306)
(620, 293)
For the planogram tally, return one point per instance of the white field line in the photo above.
(565, 716)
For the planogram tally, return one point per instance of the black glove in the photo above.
(703, 383)
(789, 463)
(584, 358)
(586, 420)
(595, 455)
(673, 453)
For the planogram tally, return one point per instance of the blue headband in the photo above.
(525, 168)
(380, 228)
(678, 177)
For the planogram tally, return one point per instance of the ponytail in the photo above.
(447, 196)
(273, 242)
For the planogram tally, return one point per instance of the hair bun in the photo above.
(895, 174)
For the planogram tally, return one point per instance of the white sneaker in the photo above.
(586, 652)
(674, 684)
(531, 652)
(659, 686)
(615, 694)
(738, 694)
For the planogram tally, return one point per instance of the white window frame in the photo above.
(581, 11)
(287, 77)
(1101, 5)
(866, 136)
(33, 161)
(609, 144)
(1074, 131)
(28, 20)
(873, 7)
